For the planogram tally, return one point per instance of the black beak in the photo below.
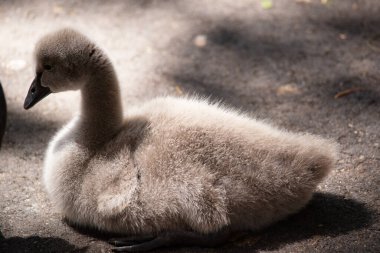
(36, 93)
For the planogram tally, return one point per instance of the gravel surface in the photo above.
(305, 65)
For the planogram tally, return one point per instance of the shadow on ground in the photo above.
(326, 215)
(29, 134)
(36, 244)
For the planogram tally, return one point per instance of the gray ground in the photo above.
(284, 64)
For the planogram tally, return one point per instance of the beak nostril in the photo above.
(33, 90)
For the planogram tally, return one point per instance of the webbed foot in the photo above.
(169, 239)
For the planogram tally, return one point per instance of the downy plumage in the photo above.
(177, 170)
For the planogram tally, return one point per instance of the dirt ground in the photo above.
(306, 65)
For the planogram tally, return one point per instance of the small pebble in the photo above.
(149, 50)
(343, 36)
(58, 10)
(200, 40)
(16, 64)
(286, 89)
(350, 125)
(361, 157)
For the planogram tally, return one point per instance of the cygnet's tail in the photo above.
(318, 155)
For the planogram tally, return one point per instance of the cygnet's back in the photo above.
(222, 168)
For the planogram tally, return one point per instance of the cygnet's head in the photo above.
(63, 62)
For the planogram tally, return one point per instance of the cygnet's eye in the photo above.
(47, 66)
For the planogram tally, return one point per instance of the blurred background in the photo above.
(305, 65)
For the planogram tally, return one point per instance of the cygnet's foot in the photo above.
(169, 239)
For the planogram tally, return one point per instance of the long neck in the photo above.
(101, 113)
